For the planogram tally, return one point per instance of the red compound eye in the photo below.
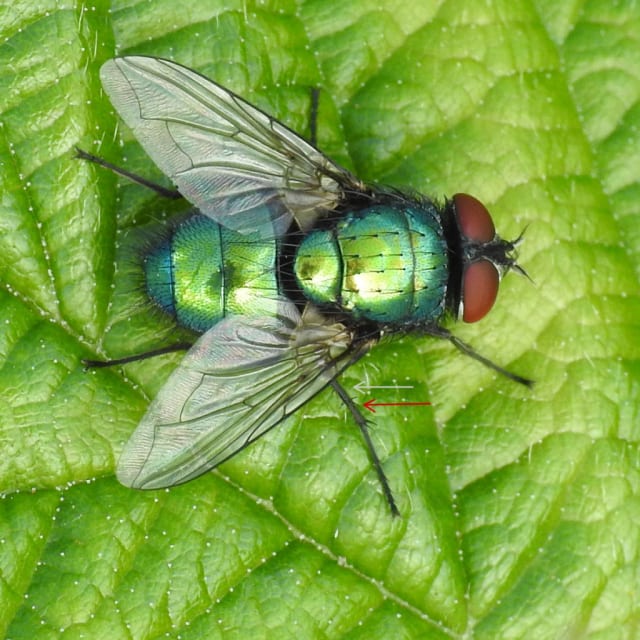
(479, 290)
(473, 218)
(481, 279)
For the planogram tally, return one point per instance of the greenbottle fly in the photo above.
(289, 266)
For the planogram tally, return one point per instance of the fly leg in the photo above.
(445, 334)
(99, 364)
(313, 116)
(173, 194)
(165, 193)
(361, 421)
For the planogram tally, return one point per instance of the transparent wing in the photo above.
(238, 381)
(237, 165)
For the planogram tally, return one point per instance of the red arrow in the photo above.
(372, 403)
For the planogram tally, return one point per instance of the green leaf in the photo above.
(520, 509)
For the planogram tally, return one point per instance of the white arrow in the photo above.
(361, 387)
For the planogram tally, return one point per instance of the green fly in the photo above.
(289, 266)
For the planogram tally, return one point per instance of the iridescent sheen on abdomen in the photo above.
(203, 272)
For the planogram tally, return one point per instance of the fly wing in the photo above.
(237, 165)
(239, 380)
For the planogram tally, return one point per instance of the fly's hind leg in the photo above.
(172, 194)
(100, 364)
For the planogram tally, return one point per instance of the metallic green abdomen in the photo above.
(204, 272)
(385, 264)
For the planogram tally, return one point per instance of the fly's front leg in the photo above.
(440, 332)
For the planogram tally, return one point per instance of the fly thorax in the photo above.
(387, 264)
